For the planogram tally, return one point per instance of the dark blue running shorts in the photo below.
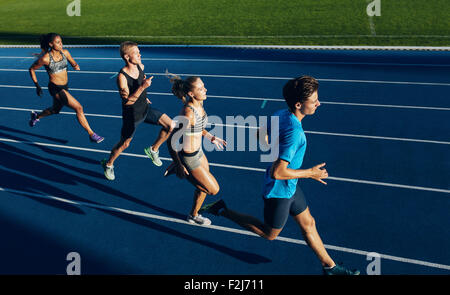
(277, 210)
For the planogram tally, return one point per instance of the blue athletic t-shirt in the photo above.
(292, 147)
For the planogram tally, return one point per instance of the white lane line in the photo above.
(64, 113)
(251, 98)
(256, 77)
(430, 189)
(250, 61)
(255, 127)
(412, 187)
(222, 228)
(43, 71)
(386, 82)
(379, 137)
(386, 106)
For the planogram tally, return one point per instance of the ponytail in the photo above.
(180, 87)
(178, 90)
(45, 39)
(177, 86)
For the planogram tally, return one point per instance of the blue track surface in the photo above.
(383, 130)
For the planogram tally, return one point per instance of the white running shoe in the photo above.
(108, 170)
(200, 220)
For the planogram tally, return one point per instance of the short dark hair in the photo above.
(299, 90)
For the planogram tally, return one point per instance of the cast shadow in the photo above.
(25, 186)
(247, 257)
(32, 164)
(9, 129)
(44, 148)
(26, 250)
(23, 163)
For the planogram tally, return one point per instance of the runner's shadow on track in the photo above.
(38, 166)
(25, 186)
(32, 188)
(9, 129)
(250, 258)
(27, 250)
(75, 157)
(46, 149)
(32, 164)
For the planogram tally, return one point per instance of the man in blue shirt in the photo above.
(282, 196)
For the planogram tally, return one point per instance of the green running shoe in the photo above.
(108, 170)
(338, 269)
(154, 156)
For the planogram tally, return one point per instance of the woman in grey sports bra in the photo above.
(191, 162)
(54, 58)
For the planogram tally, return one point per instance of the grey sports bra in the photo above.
(200, 123)
(56, 66)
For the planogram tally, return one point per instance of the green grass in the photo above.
(270, 22)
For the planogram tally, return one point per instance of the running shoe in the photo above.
(108, 170)
(339, 269)
(33, 119)
(214, 208)
(154, 156)
(200, 220)
(96, 138)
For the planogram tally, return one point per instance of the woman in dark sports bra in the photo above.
(54, 58)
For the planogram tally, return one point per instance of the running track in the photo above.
(382, 129)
